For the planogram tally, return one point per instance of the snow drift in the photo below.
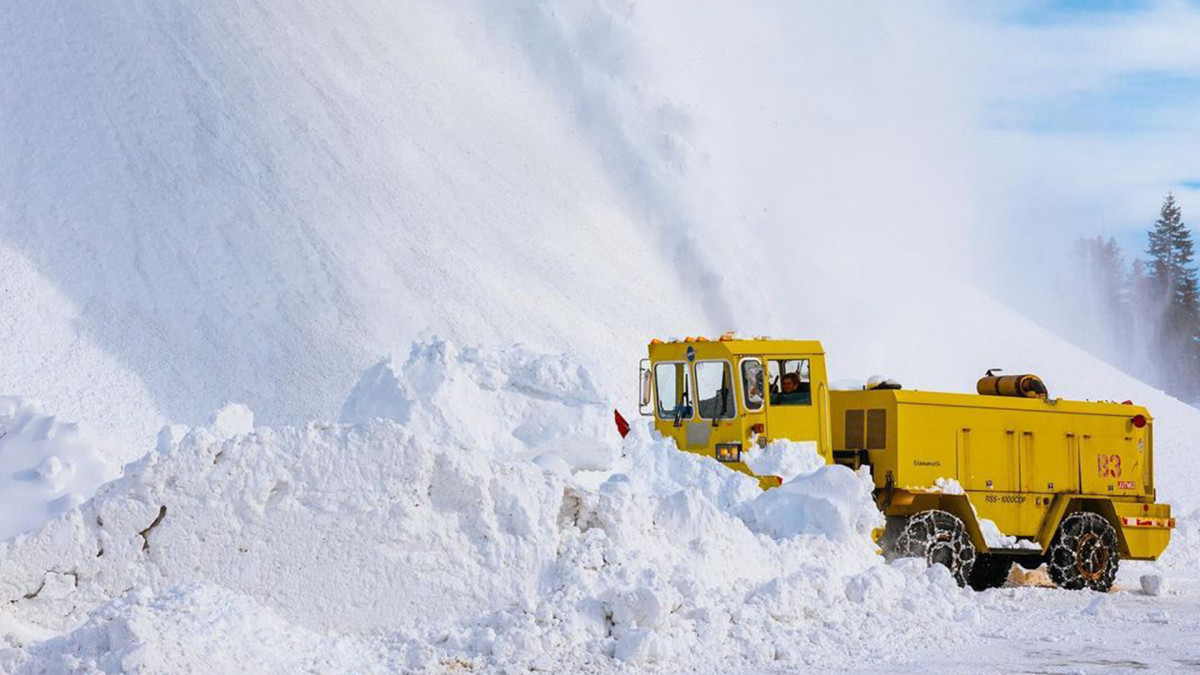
(450, 541)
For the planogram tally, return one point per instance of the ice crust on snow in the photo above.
(446, 535)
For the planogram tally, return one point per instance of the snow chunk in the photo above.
(378, 394)
(1154, 584)
(949, 486)
(784, 458)
(832, 501)
(233, 420)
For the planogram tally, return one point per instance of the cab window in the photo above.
(672, 382)
(752, 383)
(790, 382)
(714, 390)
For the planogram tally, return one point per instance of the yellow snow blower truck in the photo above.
(975, 482)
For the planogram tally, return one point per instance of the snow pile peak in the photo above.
(512, 400)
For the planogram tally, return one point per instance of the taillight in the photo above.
(758, 427)
(1139, 421)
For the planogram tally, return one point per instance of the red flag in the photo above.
(622, 425)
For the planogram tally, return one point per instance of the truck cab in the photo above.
(719, 397)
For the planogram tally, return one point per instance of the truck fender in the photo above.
(1065, 505)
(907, 502)
(960, 506)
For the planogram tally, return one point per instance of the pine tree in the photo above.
(1171, 275)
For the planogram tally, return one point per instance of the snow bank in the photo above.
(436, 540)
(47, 466)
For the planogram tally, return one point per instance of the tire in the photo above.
(935, 537)
(1084, 553)
(990, 571)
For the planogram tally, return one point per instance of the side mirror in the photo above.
(645, 389)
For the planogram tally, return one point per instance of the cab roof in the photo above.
(738, 346)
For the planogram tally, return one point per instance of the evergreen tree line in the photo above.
(1148, 312)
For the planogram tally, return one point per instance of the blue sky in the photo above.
(1093, 108)
(1059, 11)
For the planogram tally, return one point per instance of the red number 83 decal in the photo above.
(1109, 466)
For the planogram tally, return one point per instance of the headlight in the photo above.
(729, 452)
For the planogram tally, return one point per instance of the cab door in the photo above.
(796, 405)
(674, 403)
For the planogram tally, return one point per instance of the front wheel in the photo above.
(937, 537)
(1084, 553)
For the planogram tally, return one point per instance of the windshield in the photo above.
(672, 382)
(714, 390)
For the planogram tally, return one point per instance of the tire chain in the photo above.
(937, 537)
(1092, 536)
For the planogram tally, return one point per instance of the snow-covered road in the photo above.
(1048, 630)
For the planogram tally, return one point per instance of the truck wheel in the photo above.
(1084, 553)
(990, 571)
(935, 537)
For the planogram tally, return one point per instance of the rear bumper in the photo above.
(1146, 527)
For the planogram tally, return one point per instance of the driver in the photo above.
(790, 383)
(792, 391)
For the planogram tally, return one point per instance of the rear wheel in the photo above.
(937, 537)
(990, 571)
(1084, 553)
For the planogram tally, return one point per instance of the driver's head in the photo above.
(790, 383)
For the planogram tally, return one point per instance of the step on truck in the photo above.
(975, 482)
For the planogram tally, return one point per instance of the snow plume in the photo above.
(596, 61)
(435, 541)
